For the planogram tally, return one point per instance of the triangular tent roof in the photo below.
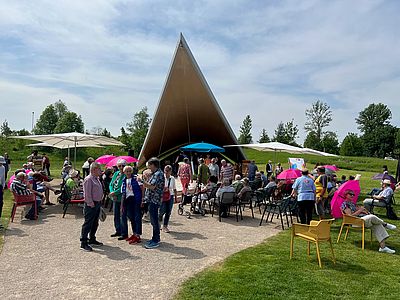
(187, 112)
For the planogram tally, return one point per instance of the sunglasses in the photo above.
(351, 194)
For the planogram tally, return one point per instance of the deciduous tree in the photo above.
(69, 122)
(352, 145)
(138, 128)
(318, 117)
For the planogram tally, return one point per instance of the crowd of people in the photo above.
(151, 195)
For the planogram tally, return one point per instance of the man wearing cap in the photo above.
(384, 196)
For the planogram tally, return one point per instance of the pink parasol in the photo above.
(331, 167)
(12, 178)
(114, 161)
(104, 159)
(338, 197)
(289, 174)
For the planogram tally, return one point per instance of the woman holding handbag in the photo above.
(168, 198)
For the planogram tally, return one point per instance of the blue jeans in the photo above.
(166, 209)
(91, 223)
(132, 210)
(153, 211)
(117, 216)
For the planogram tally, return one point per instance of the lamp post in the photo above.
(33, 118)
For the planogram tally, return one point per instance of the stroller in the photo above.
(197, 202)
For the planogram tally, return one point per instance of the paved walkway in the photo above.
(41, 259)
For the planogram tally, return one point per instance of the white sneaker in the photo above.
(391, 226)
(166, 229)
(387, 250)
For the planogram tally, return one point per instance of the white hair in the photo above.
(121, 162)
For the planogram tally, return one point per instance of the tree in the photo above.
(330, 142)
(318, 117)
(124, 138)
(313, 142)
(372, 117)
(138, 129)
(396, 150)
(21, 132)
(264, 138)
(70, 122)
(60, 108)
(352, 145)
(378, 135)
(286, 133)
(97, 130)
(5, 130)
(47, 121)
(245, 131)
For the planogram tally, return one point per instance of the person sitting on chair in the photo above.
(20, 186)
(204, 193)
(371, 221)
(237, 183)
(383, 196)
(246, 188)
(226, 187)
(73, 185)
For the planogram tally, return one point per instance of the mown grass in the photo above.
(265, 272)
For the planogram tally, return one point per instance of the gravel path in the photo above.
(41, 259)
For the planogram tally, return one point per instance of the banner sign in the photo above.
(297, 163)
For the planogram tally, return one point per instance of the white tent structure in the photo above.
(71, 140)
(276, 146)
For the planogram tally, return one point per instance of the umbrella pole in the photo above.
(75, 153)
(69, 156)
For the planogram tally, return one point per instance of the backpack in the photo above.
(390, 214)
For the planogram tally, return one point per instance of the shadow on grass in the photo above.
(114, 253)
(184, 252)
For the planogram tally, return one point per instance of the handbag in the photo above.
(103, 214)
(166, 196)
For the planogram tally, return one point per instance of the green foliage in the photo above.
(330, 142)
(245, 131)
(318, 117)
(5, 130)
(373, 117)
(124, 138)
(378, 135)
(313, 142)
(47, 121)
(137, 129)
(396, 150)
(99, 131)
(21, 132)
(286, 133)
(352, 145)
(264, 138)
(69, 122)
(60, 108)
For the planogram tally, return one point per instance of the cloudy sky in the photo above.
(106, 59)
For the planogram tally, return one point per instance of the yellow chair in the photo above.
(355, 223)
(316, 232)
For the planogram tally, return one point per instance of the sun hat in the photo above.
(387, 181)
(73, 173)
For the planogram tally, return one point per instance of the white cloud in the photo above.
(271, 60)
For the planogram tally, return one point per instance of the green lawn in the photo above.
(265, 272)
